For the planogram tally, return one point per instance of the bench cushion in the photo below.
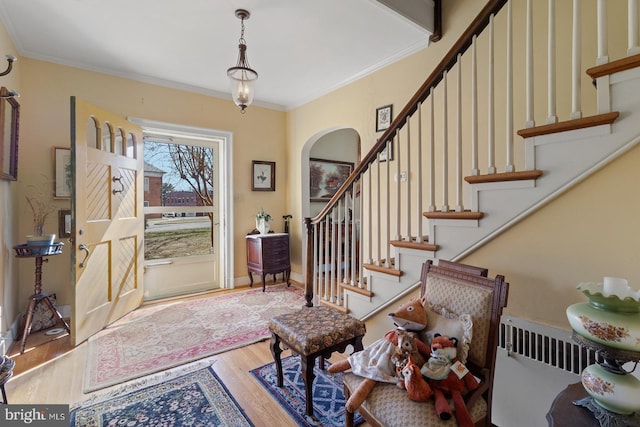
(312, 329)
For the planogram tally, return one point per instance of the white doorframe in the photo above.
(226, 182)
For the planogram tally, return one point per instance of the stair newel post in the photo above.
(308, 285)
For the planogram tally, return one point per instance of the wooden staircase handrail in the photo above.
(480, 22)
(448, 61)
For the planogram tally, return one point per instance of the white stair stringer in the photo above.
(565, 158)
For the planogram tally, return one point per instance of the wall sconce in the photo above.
(10, 59)
(9, 93)
(242, 75)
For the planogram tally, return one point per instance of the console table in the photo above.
(38, 252)
(268, 254)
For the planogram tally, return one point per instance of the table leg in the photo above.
(31, 308)
(250, 280)
(264, 283)
(308, 376)
(276, 351)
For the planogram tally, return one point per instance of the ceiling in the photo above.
(301, 49)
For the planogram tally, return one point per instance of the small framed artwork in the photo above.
(326, 176)
(384, 117)
(64, 224)
(263, 176)
(9, 116)
(62, 172)
(387, 153)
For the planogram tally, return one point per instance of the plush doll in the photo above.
(375, 363)
(407, 347)
(417, 387)
(448, 377)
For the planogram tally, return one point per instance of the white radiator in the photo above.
(534, 363)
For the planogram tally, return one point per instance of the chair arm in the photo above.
(471, 397)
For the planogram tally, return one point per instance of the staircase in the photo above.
(491, 101)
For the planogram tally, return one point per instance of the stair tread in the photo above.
(564, 126)
(352, 288)
(425, 246)
(335, 306)
(504, 176)
(453, 215)
(382, 269)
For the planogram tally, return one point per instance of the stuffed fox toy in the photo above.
(375, 363)
(445, 382)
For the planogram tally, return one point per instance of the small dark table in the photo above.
(268, 254)
(313, 332)
(38, 252)
(565, 413)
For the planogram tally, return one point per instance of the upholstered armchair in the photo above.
(454, 291)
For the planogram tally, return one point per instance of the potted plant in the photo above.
(262, 221)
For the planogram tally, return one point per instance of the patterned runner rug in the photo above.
(195, 399)
(328, 398)
(158, 337)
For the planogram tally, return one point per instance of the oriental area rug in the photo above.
(195, 399)
(328, 397)
(161, 336)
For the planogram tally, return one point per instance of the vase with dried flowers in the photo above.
(40, 204)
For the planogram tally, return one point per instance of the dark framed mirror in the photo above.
(9, 124)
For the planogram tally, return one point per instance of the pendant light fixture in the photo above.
(242, 75)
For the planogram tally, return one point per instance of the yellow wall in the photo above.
(257, 135)
(8, 211)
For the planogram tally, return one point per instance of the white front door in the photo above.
(182, 215)
(107, 218)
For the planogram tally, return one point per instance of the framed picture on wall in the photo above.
(383, 117)
(263, 175)
(9, 117)
(62, 172)
(326, 176)
(387, 153)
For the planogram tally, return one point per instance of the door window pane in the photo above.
(180, 193)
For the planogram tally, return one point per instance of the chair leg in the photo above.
(348, 415)
(276, 351)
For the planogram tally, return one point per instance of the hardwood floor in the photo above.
(51, 371)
